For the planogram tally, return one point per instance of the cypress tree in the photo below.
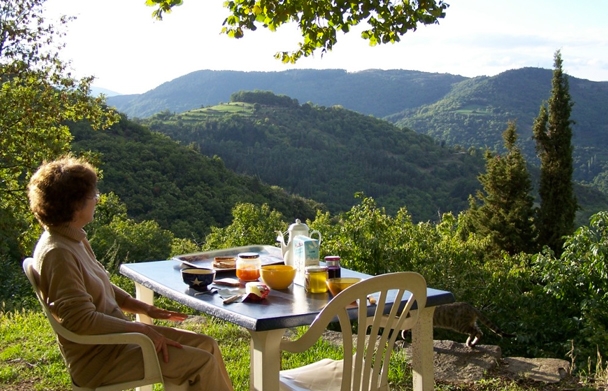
(507, 212)
(552, 132)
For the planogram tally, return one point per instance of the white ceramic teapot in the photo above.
(295, 229)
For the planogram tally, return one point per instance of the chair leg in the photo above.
(422, 351)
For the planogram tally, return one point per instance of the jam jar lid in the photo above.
(248, 255)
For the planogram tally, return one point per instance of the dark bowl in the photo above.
(198, 278)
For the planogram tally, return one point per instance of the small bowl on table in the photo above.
(198, 278)
(278, 276)
(337, 285)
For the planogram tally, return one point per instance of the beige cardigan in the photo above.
(80, 294)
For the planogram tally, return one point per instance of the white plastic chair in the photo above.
(366, 361)
(152, 371)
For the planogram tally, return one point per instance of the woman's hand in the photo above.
(159, 313)
(135, 306)
(161, 343)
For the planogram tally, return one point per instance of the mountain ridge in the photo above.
(471, 112)
(323, 87)
(475, 113)
(330, 153)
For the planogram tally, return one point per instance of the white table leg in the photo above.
(147, 296)
(422, 351)
(265, 359)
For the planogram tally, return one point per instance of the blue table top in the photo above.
(281, 309)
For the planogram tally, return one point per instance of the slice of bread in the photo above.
(224, 262)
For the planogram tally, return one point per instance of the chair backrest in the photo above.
(152, 371)
(34, 277)
(366, 361)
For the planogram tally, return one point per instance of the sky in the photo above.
(129, 52)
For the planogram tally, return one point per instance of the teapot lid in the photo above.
(298, 225)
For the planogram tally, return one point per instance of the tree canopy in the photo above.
(37, 97)
(506, 213)
(320, 21)
(552, 132)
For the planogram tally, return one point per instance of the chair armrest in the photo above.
(148, 350)
(115, 339)
(313, 333)
(301, 344)
(150, 357)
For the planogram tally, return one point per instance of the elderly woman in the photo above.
(63, 195)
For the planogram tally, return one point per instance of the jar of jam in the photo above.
(248, 267)
(333, 266)
(315, 279)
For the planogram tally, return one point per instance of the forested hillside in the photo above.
(476, 111)
(182, 190)
(329, 153)
(454, 109)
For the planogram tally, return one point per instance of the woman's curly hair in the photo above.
(60, 188)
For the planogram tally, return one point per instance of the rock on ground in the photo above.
(457, 363)
(547, 370)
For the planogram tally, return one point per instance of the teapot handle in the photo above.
(316, 232)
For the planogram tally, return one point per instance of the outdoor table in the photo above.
(267, 320)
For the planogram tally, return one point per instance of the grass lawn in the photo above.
(30, 357)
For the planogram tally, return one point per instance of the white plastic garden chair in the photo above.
(366, 361)
(152, 371)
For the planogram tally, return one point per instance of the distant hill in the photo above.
(476, 111)
(376, 92)
(184, 191)
(330, 153)
(451, 109)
